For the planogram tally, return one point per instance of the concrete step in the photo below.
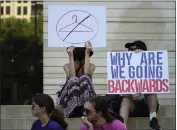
(74, 123)
(23, 111)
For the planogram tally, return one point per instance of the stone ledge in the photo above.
(74, 123)
(12, 111)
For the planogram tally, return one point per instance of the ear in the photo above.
(100, 114)
(43, 109)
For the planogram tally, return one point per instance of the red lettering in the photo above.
(138, 86)
(130, 86)
(124, 84)
(159, 85)
(153, 85)
(165, 83)
(118, 87)
(145, 87)
(111, 86)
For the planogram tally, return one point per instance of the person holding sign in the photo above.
(138, 104)
(98, 116)
(78, 88)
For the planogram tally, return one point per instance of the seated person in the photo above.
(78, 88)
(98, 116)
(140, 105)
(49, 118)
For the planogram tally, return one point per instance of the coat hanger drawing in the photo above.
(72, 25)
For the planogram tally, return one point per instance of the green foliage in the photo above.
(16, 27)
(21, 49)
(21, 53)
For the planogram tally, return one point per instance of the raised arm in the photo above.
(70, 68)
(88, 67)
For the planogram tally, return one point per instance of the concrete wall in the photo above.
(127, 20)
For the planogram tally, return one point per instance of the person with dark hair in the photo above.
(98, 116)
(78, 88)
(49, 118)
(138, 104)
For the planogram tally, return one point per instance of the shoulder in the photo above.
(54, 125)
(93, 66)
(118, 123)
(65, 65)
(83, 127)
(36, 123)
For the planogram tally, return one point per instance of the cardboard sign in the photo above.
(76, 25)
(143, 72)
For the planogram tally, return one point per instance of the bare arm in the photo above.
(93, 67)
(87, 66)
(72, 71)
(70, 68)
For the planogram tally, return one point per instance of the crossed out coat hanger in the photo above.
(74, 18)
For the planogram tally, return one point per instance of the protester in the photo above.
(98, 116)
(78, 88)
(49, 118)
(138, 104)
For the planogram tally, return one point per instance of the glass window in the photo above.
(2, 10)
(33, 10)
(25, 10)
(7, 10)
(19, 1)
(39, 8)
(19, 10)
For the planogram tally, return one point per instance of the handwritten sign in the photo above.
(75, 25)
(143, 72)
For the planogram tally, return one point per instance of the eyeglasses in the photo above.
(87, 111)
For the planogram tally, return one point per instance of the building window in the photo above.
(33, 10)
(19, 1)
(2, 1)
(8, 1)
(19, 10)
(25, 10)
(8, 10)
(25, 1)
(39, 8)
(2, 10)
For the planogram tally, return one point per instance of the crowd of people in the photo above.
(78, 99)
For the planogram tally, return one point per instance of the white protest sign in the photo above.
(75, 25)
(143, 72)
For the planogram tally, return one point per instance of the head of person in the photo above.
(136, 45)
(43, 106)
(97, 111)
(79, 54)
